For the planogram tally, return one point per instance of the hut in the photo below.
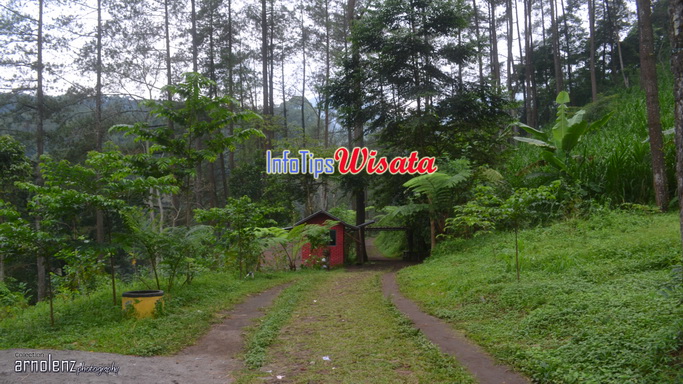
(342, 236)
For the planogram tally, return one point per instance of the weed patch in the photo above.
(591, 307)
(93, 323)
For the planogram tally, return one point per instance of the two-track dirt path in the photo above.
(210, 361)
(344, 301)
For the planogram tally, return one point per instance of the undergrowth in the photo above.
(93, 323)
(591, 306)
(268, 327)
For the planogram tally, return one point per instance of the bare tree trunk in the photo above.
(326, 141)
(284, 95)
(521, 55)
(99, 131)
(231, 81)
(264, 71)
(532, 71)
(193, 32)
(556, 49)
(40, 106)
(511, 58)
(591, 18)
(167, 32)
(495, 64)
(303, 77)
(478, 37)
(566, 41)
(621, 64)
(358, 138)
(530, 100)
(271, 60)
(648, 79)
(169, 96)
(676, 14)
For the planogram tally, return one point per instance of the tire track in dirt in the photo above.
(210, 361)
(482, 366)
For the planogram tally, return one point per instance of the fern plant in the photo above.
(437, 190)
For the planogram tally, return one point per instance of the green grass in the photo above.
(346, 319)
(94, 324)
(613, 163)
(589, 307)
(268, 327)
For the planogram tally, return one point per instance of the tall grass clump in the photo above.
(613, 163)
(91, 322)
(590, 307)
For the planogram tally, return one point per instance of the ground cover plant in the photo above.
(345, 331)
(92, 323)
(591, 306)
(612, 163)
(268, 327)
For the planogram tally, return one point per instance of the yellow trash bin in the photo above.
(143, 302)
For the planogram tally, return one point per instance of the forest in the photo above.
(136, 136)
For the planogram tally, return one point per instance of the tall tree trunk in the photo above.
(167, 33)
(648, 79)
(530, 100)
(676, 14)
(556, 49)
(478, 36)
(271, 60)
(169, 96)
(621, 64)
(358, 139)
(195, 40)
(614, 36)
(326, 141)
(591, 22)
(213, 90)
(231, 93)
(522, 56)
(264, 71)
(42, 278)
(99, 131)
(284, 95)
(303, 77)
(511, 58)
(495, 64)
(567, 46)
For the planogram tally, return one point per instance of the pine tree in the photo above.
(648, 79)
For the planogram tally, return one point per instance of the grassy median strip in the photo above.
(590, 306)
(345, 331)
(93, 323)
(268, 327)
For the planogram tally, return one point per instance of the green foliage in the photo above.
(278, 315)
(17, 236)
(612, 164)
(395, 82)
(236, 229)
(12, 302)
(170, 252)
(202, 118)
(437, 191)
(558, 144)
(487, 211)
(92, 323)
(291, 242)
(195, 132)
(14, 165)
(479, 215)
(590, 309)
